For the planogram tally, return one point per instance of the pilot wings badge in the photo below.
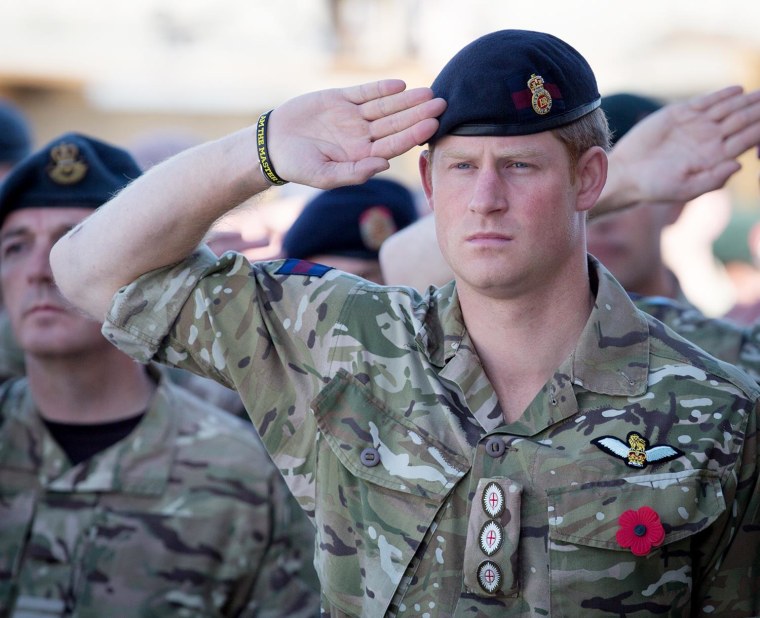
(637, 453)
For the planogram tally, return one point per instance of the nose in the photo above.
(488, 194)
(38, 266)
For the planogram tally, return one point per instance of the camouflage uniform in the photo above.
(381, 418)
(11, 357)
(734, 343)
(185, 517)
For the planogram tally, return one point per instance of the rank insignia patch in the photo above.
(489, 576)
(637, 453)
(493, 500)
(490, 538)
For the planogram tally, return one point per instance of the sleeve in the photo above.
(287, 583)
(265, 329)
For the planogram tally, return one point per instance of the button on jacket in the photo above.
(627, 487)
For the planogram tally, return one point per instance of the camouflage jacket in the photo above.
(11, 357)
(186, 516)
(734, 343)
(381, 418)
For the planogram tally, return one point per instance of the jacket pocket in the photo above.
(591, 566)
(381, 482)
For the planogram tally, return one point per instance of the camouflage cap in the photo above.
(72, 170)
(514, 82)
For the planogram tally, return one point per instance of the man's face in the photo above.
(43, 322)
(627, 242)
(506, 211)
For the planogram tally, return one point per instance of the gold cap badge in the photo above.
(66, 167)
(541, 100)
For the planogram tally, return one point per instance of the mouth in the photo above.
(44, 308)
(489, 238)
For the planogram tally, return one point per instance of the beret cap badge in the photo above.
(66, 167)
(541, 100)
(375, 225)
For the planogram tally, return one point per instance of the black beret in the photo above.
(350, 221)
(514, 82)
(623, 110)
(15, 136)
(72, 170)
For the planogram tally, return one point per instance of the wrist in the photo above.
(262, 148)
(619, 191)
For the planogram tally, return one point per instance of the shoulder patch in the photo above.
(637, 453)
(293, 266)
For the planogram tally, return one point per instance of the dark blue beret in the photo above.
(514, 82)
(623, 110)
(72, 170)
(15, 136)
(350, 221)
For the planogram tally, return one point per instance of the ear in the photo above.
(591, 174)
(426, 172)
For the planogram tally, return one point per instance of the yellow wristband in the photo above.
(261, 147)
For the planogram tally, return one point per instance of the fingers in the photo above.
(713, 178)
(713, 100)
(371, 91)
(406, 117)
(404, 140)
(382, 107)
(741, 130)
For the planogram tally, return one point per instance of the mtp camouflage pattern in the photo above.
(734, 343)
(374, 405)
(11, 357)
(186, 517)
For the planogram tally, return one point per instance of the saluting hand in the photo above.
(344, 136)
(689, 148)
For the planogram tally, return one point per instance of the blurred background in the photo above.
(156, 76)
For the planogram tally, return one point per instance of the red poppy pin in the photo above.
(640, 530)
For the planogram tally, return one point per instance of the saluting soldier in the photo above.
(522, 441)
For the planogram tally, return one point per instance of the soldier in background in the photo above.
(122, 494)
(15, 144)
(521, 441)
(346, 226)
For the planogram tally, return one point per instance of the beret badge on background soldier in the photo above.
(637, 453)
(66, 167)
(541, 100)
(375, 225)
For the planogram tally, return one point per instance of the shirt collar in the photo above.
(612, 353)
(139, 464)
